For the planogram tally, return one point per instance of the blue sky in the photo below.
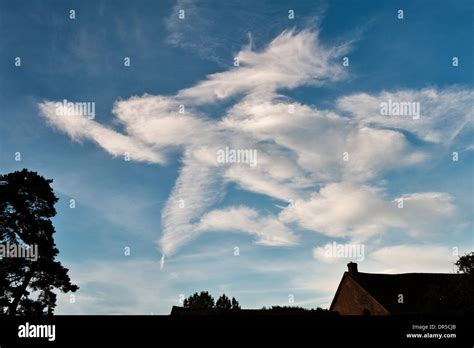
(283, 62)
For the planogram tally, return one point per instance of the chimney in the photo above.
(352, 268)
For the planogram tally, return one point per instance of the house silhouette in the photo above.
(385, 294)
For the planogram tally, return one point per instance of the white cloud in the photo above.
(292, 59)
(316, 140)
(78, 127)
(154, 126)
(268, 229)
(299, 152)
(276, 174)
(197, 188)
(443, 113)
(157, 121)
(415, 258)
(360, 212)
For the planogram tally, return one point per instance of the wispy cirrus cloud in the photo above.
(268, 229)
(318, 140)
(197, 188)
(291, 60)
(218, 43)
(360, 212)
(154, 125)
(80, 128)
(326, 160)
(443, 113)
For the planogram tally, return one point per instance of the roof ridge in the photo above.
(398, 274)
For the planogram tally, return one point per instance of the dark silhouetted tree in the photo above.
(223, 302)
(26, 208)
(235, 303)
(464, 291)
(204, 300)
(465, 263)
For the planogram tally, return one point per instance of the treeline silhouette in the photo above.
(204, 300)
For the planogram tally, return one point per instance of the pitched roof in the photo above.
(419, 290)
